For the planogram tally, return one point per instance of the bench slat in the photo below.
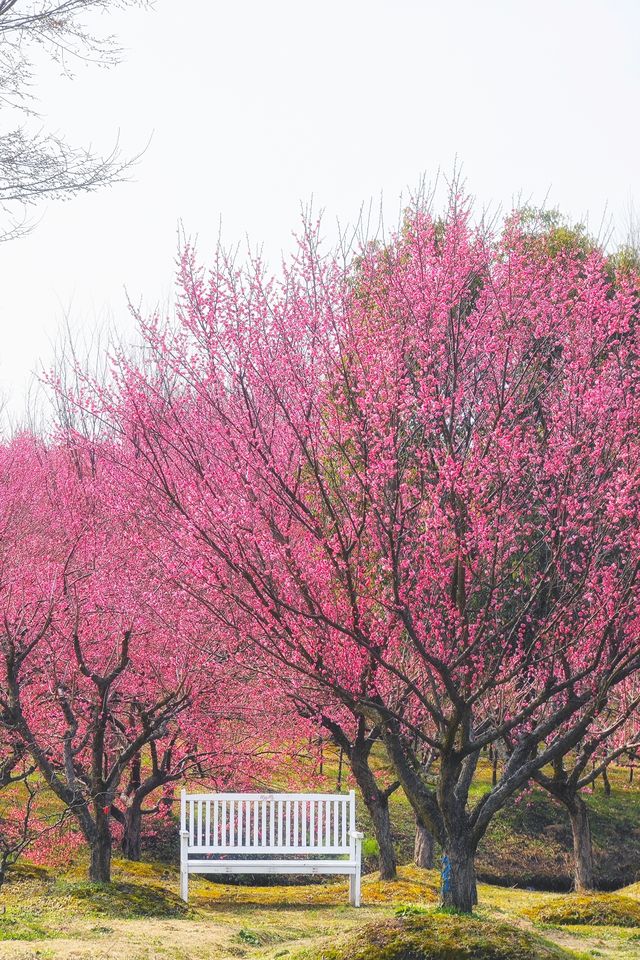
(269, 823)
(268, 796)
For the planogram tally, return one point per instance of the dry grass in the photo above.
(139, 917)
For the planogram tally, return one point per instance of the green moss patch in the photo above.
(22, 926)
(440, 936)
(594, 910)
(119, 900)
(45, 910)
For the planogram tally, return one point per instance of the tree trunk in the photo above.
(340, 762)
(131, 846)
(458, 885)
(584, 877)
(379, 810)
(100, 845)
(424, 847)
(377, 804)
(606, 783)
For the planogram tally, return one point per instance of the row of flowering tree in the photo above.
(409, 480)
(109, 694)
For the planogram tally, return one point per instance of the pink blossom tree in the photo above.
(413, 480)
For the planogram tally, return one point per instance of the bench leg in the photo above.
(354, 889)
(184, 866)
(354, 879)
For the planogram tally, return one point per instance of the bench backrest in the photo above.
(268, 823)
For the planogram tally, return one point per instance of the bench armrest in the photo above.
(356, 834)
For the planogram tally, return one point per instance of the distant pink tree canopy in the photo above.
(107, 686)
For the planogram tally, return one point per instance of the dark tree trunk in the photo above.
(458, 886)
(445, 812)
(606, 783)
(358, 752)
(379, 810)
(377, 803)
(131, 838)
(340, 762)
(100, 845)
(424, 847)
(584, 874)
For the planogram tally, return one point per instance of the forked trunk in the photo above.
(377, 804)
(584, 874)
(458, 884)
(445, 811)
(424, 847)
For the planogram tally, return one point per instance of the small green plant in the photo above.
(370, 847)
(246, 936)
(410, 910)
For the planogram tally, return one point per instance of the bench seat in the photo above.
(273, 866)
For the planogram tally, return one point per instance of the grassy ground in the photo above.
(139, 917)
(59, 916)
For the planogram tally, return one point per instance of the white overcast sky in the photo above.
(255, 106)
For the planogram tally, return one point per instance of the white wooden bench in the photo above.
(265, 833)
